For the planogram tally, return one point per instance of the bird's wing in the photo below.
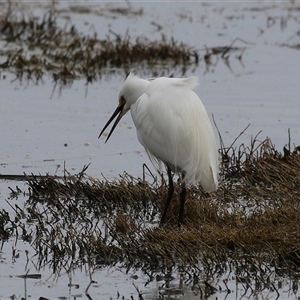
(173, 126)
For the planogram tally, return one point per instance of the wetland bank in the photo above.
(71, 227)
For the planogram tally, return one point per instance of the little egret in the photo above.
(173, 126)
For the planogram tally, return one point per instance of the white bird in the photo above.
(174, 128)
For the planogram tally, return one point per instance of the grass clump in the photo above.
(35, 46)
(41, 46)
(253, 217)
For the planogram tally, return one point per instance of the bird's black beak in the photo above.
(118, 112)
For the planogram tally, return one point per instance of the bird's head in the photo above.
(131, 91)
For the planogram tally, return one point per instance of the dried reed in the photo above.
(253, 216)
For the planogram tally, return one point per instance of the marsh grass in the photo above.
(37, 46)
(252, 220)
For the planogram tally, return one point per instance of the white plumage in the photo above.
(173, 126)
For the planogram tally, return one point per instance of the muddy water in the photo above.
(44, 130)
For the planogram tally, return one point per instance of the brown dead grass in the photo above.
(253, 217)
(36, 46)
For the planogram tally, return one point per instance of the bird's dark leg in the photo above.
(170, 195)
(182, 201)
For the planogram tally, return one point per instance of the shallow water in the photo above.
(46, 132)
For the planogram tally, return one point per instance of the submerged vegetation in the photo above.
(251, 224)
(35, 46)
